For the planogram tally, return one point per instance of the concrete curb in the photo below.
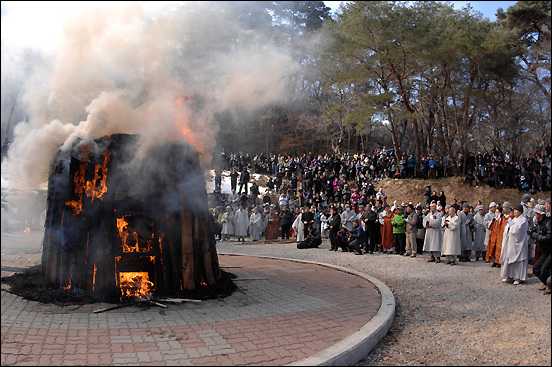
(355, 347)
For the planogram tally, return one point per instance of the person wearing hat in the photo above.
(547, 206)
(515, 256)
(255, 224)
(479, 233)
(227, 221)
(489, 218)
(452, 246)
(399, 231)
(433, 234)
(542, 233)
(507, 208)
(528, 213)
(467, 227)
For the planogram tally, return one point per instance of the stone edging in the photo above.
(356, 346)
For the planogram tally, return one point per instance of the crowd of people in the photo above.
(496, 169)
(321, 205)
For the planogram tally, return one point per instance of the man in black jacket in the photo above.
(542, 232)
(312, 240)
(335, 225)
(356, 238)
(370, 217)
(244, 179)
(286, 220)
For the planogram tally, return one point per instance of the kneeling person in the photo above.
(357, 238)
(313, 239)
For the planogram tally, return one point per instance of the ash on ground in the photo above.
(29, 284)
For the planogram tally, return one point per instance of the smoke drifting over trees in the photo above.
(161, 71)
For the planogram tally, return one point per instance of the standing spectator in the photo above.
(227, 221)
(411, 230)
(286, 219)
(427, 195)
(244, 179)
(370, 218)
(542, 233)
(420, 230)
(399, 231)
(234, 200)
(335, 225)
(255, 224)
(442, 198)
(241, 220)
(324, 218)
(382, 196)
(273, 225)
(308, 219)
(347, 218)
(299, 227)
(479, 234)
(386, 229)
(451, 238)
(433, 234)
(467, 226)
(233, 179)
(515, 255)
(489, 218)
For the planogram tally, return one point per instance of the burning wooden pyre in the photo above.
(119, 226)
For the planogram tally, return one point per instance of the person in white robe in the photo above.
(452, 245)
(227, 221)
(479, 234)
(234, 200)
(433, 234)
(324, 229)
(489, 218)
(347, 218)
(466, 232)
(298, 227)
(255, 224)
(515, 251)
(241, 223)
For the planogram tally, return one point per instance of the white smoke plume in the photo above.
(138, 68)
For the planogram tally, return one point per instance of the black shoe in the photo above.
(371, 252)
(432, 260)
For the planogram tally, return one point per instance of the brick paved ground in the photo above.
(285, 312)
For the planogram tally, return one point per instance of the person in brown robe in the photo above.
(386, 229)
(273, 226)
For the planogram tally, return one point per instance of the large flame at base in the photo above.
(135, 284)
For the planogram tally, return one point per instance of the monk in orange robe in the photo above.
(386, 229)
(494, 247)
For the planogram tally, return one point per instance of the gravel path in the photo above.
(445, 315)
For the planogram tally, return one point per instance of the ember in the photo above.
(117, 228)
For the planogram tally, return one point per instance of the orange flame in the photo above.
(90, 188)
(68, 285)
(94, 277)
(122, 227)
(183, 124)
(135, 284)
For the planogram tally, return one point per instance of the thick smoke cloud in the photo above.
(158, 71)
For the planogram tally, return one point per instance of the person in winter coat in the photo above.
(334, 224)
(399, 231)
(411, 230)
(452, 245)
(515, 257)
(542, 233)
(356, 238)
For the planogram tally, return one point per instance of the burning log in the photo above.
(119, 227)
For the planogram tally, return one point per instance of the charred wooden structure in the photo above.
(118, 225)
